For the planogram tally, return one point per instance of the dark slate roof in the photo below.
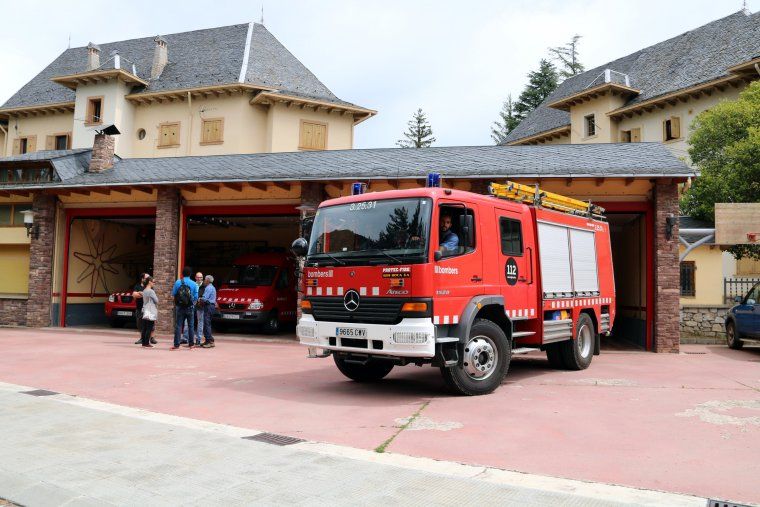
(689, 59)
(208, 57)
(562, 160)
(686, 222)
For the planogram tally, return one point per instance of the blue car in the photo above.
(743, 320)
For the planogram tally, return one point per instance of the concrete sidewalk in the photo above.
(63, 450)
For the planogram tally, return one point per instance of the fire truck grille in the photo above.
(370, 311)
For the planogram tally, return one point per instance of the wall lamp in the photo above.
(670, 222)
(32, 229)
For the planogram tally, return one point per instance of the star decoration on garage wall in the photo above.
(98, 261)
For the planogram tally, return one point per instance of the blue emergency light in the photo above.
(358, 188)
(434, 180)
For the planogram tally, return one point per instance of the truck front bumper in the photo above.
(409, 338)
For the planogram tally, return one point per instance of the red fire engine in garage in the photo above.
(457, 280)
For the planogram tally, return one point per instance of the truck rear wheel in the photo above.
(371, 371)
(577, 353)
(485, 362)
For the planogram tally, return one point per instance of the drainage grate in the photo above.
(275, 439)
(695, 353)
(720, 503)
(40, 392)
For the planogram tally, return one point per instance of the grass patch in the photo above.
(381, 448)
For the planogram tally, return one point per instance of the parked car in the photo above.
(120, 308)
(259, 290)
(743, 319)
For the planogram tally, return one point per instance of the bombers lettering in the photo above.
(446, 271)
(321, 274)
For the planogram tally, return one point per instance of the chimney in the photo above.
(102, 153)
(93, 56)
(159, 58)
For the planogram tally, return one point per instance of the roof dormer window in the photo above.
(589, 125)
(94, 111)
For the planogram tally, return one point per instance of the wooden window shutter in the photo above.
(307, 135)
(31, 144)
(212, 131)
(17, 146)
(49, 142)
(168, 135)
(636, 135)
(319, 137)
(313, 136)
(675, 127)
(68, 141)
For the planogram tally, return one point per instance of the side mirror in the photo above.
(467, 227)
(306, 225)
(438, 255)
(300, 247)
(737, 299)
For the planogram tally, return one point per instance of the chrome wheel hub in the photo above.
(480, 358)
(584, 341)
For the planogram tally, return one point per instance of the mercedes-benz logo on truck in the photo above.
(351, 300)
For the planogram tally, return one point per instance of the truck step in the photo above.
(520, 334)
(523, 350)
(446, 339)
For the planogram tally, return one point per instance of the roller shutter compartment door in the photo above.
(583, 248)
(555, 259)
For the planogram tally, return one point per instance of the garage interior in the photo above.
(105, 255)
(628, 237)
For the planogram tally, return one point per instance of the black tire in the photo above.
(372, 371)
(554, 355)
(487, 354)
(732, 339)
(577, 353)
(272, 324)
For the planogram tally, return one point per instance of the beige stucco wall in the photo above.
(285, 128)
(651, 123)
(113, 112)
(599, 107)
(40, 126)
(708, 278)
(3, 151)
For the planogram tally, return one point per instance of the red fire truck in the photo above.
(457, 280)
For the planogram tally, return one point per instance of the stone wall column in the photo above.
(39, 304)
(667, 272)
(311, 195)
(166, 255)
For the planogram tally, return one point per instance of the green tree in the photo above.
(567, 55)
(725, 146)
(419, 134)
(508, 123)
(540, 84)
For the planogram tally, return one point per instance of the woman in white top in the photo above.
(149, 311)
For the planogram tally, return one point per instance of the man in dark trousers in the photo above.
(185, 294)
(137, 294)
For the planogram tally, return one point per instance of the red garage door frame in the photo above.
(250, 210)
(647, 209)
(73, 213)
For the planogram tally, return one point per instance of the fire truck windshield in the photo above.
(252, 275)
(371, 232)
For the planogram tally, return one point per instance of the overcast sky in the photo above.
(457, 60)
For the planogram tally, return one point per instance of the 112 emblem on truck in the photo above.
(456, 280)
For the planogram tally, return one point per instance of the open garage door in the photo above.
(104, 259)
(249, 256)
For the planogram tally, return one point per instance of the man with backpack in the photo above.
(185, 294)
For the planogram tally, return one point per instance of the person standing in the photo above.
(199, 309)
(185, 294)
(149, 312)
(137, 294)
(208, 303)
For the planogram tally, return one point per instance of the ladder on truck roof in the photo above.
(528, 194)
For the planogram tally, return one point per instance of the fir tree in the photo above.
(567, 56)
(419, 134)
(508, 123)
(540, 84)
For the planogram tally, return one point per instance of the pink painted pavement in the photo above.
(686, 423)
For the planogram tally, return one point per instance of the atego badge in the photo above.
(510, 271)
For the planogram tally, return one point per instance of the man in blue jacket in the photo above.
(208, 303)
(185, 294)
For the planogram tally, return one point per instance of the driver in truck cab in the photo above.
(449, 241)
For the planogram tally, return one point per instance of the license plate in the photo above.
(232, 316)
(350, 332)
(124, 314)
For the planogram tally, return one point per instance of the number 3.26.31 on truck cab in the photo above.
(456, 280)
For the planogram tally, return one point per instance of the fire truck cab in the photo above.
(457, 280)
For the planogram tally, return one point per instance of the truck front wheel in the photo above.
(577, 353)
(371, 371)
(485, 362)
